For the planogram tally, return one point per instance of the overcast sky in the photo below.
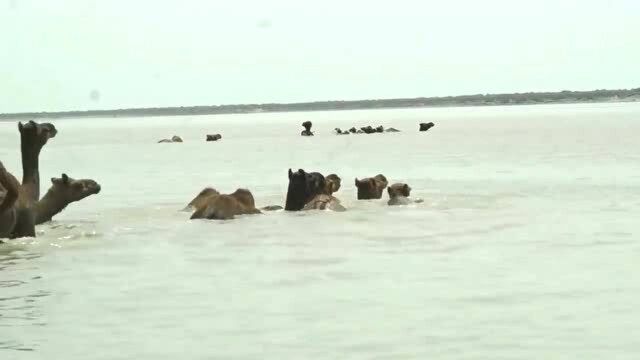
(88, 54)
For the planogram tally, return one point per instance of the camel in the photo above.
(332, 184)
(63, 191)
(307, 129)
(33, 137)
(10, 187)
(174, 139)
(307, 191)
(426, 126)
(200, 199)
(224, 207)
(399, 195)
(371, 188)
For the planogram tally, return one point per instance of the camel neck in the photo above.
(30, 173)
(49, 206)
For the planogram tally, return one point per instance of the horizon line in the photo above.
(314, 102)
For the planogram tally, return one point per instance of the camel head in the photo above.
(34, 134)
(371, 188)
(399, 189)
(303, 186)
(332, 184)
(73, 190)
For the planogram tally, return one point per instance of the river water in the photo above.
(526, 247)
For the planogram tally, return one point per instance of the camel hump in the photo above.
(201, 198)
(225, 207)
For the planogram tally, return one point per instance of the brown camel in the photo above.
(399, 195)
(371, 188)
(201, 198)
(10, 188)
(33, 137)
(332, 184)
(63, 191)
(225, 207)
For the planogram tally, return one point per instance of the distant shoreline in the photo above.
(531, 98)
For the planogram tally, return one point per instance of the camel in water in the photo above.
(308, 191)
(11, 188)
(210, 204)
(399, 195)
(307, 129)
(63, 191)
(426, 126)
(18, 215)
(371, 188)
(174, 139)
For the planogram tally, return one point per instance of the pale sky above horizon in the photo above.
(102, 54)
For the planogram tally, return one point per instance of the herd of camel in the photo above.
(21, 207)
(307, 132)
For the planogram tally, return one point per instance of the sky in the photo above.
(58, 55)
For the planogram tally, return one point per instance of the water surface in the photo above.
(526, 246)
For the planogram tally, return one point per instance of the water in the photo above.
(526, 246)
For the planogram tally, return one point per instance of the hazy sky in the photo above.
(87, 54)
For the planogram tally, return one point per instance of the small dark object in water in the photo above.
(307, 129)
(368, 129)
(214, 137)
(426, 126)
(173, 139)
(272, 208)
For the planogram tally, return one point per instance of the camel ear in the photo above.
(56, 181)
(65, 178)
(20, 126)
(290, 173)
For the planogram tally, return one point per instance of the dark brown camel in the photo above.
(307, 191)
(426, 126)
(371, 188)
(33, 137)
(10, 188)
